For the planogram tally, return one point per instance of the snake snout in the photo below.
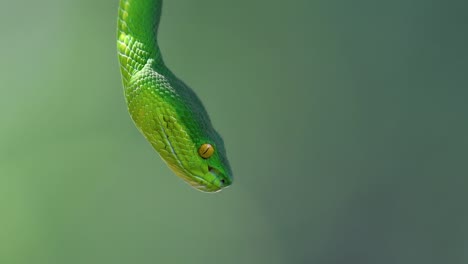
(221, 179)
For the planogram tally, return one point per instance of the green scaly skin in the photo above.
(165, 110)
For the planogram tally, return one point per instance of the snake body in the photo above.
(164, 109)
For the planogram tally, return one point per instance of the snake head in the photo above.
(174, 121)
(189, 146)
(203, 165)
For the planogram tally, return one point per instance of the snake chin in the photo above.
(218, 182)
(203, 185)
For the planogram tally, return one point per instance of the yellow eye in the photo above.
(206, 151)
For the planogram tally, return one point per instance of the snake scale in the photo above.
(164, 109)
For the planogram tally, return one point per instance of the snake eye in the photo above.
(206, 151)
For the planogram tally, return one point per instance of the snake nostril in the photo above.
(223, 181)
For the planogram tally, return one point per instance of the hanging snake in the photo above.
(164, 109)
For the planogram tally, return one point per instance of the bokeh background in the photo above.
(345, 124)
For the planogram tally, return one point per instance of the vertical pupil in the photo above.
(206, 150)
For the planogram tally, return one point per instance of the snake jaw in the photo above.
(212, 181)
(218, 182)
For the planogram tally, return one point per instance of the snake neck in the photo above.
(136, 44)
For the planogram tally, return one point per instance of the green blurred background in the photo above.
(345, 124)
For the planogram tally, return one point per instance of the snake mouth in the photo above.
(203, 185)
(217, 183)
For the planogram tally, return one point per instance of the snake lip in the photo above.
(204, 185)
(212, 186)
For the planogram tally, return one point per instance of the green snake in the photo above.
(164, 109)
